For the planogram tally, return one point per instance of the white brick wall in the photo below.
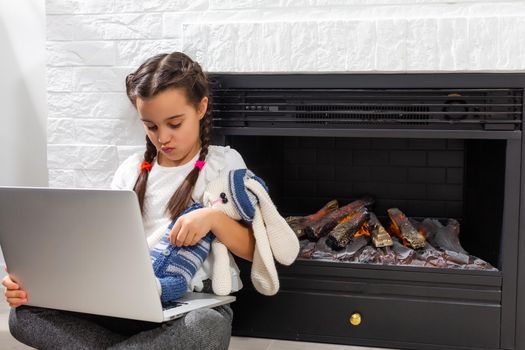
(93, 44)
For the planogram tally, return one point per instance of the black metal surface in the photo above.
(520, 299)
(360, 132)
(453, 101)
(469, 310)
(484, 187)
(396, 305)
(456, 109)
(371, 81)
(509, 246)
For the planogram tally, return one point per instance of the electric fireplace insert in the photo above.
(405, 192)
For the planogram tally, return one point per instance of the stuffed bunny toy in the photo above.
(243, 196)
(175, 266)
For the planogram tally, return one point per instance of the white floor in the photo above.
(240, 343)
(7, 342)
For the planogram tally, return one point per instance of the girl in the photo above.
(171, 95)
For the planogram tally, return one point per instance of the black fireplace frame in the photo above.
(340, 284)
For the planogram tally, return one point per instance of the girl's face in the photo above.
(172, 125)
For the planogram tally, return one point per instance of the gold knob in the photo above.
(355, 319)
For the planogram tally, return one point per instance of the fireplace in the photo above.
(439, 146)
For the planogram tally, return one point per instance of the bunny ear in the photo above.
(244, 200)
(221, 277)
(283, 241)
(251, 175)
(263, 273)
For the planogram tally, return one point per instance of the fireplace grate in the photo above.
(459, 109)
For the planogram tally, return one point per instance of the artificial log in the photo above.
(380, 237)
(298, 223)
(343, 233)
(443, 237)
(322, 227)
(401, 226)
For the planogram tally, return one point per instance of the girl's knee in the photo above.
(212, 326)
(22, 320)
(227, 312)
(18, 322)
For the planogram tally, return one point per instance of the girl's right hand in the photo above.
(14, 295)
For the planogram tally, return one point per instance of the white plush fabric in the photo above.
(212, 199)
(273, 237)
(283, 241)
(163, 182)
(221, 281)
(264, 274)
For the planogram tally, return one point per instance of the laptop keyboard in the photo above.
(172, 304)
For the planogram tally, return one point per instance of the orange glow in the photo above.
(363, 231)
(393, 229)
(423, 231)
(346, 218)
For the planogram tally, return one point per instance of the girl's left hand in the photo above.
(190, 228)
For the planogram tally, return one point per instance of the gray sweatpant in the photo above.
(53, 329)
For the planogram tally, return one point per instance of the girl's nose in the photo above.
(163, 137)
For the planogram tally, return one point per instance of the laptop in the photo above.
(85, 250)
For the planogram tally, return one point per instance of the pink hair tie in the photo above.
(199, 164)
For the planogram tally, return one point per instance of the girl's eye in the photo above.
(172, 126)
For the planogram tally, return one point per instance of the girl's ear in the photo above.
(203, 107)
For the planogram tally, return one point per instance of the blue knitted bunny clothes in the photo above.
(175, 266)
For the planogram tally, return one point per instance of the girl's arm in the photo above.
(237, 237)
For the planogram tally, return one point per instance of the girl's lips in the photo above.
(166, 150)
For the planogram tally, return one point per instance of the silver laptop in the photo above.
(85, 250)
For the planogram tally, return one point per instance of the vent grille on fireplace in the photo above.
(472, 109)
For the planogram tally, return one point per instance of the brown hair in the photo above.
(160, 73)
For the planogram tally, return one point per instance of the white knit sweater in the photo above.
(163, 182)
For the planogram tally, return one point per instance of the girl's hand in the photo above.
(14, 295)
(190, 228)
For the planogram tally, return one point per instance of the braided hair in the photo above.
(157, 74)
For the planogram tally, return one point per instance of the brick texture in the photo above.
(412, 183)
(92, 45)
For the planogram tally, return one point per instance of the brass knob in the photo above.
(355, 319)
